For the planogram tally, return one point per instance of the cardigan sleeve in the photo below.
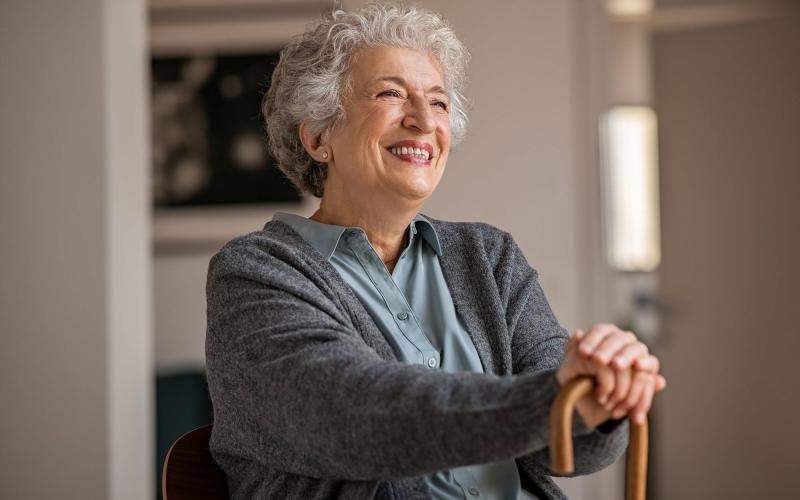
(537, 343)
(295, 388)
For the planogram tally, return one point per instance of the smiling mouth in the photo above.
(412, 153)
(415, 153)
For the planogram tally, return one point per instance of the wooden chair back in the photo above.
(189, 472)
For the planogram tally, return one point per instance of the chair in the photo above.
(189, 472)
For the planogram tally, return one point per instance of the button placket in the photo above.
(468, 482)
(396, 302)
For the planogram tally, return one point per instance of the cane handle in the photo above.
(561, 454)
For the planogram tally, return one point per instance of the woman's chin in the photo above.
(414, 192)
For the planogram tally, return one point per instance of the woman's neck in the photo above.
(386, 227)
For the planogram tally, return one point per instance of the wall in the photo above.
(730, 120)
(75, 352)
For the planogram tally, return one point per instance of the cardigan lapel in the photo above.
(361, 319)
(468, 280)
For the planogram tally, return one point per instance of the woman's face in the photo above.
(395, 135)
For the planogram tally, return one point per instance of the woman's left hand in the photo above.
(626, 373)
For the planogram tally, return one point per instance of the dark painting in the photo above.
(209, 146)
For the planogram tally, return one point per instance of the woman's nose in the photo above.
(419, 115)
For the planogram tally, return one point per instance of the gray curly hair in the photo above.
(311, 78)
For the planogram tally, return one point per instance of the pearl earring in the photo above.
(325, 155)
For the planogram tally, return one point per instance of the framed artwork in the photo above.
(208, 136)
(211, 62)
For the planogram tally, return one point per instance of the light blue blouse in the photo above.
(413, 308)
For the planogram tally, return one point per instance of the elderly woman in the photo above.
(372, 352)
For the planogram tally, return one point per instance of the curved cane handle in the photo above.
(561, 455)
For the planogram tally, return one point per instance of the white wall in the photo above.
(75, 352)
(128, 220)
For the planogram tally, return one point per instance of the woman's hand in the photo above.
(626, 373)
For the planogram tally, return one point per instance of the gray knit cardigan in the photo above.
(310, 402)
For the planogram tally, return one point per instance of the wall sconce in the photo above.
(623, 8)
(628, 142)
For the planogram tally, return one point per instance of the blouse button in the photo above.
(432, 362)
(402, 316)
(474, 492)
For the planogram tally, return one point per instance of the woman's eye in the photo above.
(440, 104)
(390, 93)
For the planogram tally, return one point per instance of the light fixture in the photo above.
(626, 8)
(630, 174)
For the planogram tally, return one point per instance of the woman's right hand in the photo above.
(626, 373)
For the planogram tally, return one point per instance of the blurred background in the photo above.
(645, 154)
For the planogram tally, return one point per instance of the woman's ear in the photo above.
(314, 146)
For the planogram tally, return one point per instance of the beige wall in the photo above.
(730, 121)
(75, 358)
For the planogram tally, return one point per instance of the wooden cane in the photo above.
(561, 454)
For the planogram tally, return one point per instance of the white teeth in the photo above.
(422, 153)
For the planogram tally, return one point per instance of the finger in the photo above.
(645, 402)
(622, 385)
(573, 362)
(625, 357)
(572, 345)
(612, 345)
(605, 384)
(661, 383)
(638, 384)
(647, 363)
(575, 339)
(593, 337)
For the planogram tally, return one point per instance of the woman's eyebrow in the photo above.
(436, 89)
